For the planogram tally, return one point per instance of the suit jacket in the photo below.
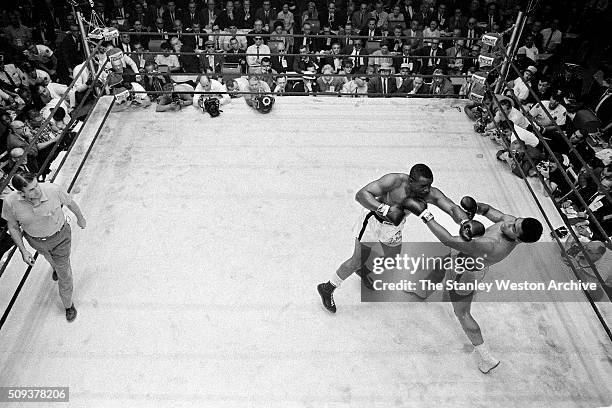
(417, 41)
(362, 52)
(232, 58)
(277, 65)
(360, 20)
(298, 87)
(460, 23)
(428, 68)
(260, 15)
(338, 20)
(246, 20)
(366, 32)
(206, 66)
(71, 51)
(300, 65)
(204, 18)
(169, 22)
(193, 42)
(298, 41)
(446, 88)
(477, 34)
(225, 21)
(188, 20)
(189, 63)
(375, 86)
(398, 60)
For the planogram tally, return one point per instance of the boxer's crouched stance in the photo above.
(491, 246)
(382, 220)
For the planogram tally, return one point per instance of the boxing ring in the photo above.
(195, 279)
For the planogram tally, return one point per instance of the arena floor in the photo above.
(195, 280)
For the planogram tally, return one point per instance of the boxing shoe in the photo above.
(486, 361)
(327, 296)
(71, 313)
(54, 276)
(366, 278)
(486, 364)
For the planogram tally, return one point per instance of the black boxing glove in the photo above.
(418, 208)
(395, 214)
(470, 229)
(470, 206)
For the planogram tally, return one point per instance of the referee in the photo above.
(35, 211)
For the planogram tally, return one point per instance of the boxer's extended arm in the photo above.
(437, 198)
(367, 195)
(476, 247)
(493, 214)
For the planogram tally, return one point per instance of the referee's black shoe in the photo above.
(54, 276)
(71, 313)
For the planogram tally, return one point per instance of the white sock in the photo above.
(483, 351)
(336, 280)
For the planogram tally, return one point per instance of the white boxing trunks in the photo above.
(372, 228)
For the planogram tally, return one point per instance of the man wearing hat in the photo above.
(309, 85)
(404, 81)
(211, 61)
(441, 85)
(383, 85)
(520, 85)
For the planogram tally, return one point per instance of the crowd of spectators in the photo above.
(371, 48)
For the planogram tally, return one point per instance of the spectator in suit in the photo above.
(408, 9)
(304, 61)
(332, 17)
(356, 87)
(380, 16)
(371, 31)
(198, 41)
(346, 32)
(324, 42)
(455, 63)
(441, 85)
(542, 90)
(308, 85)
(551, 37)
(228, 17)
(139, 58)
(232, 56)
(125, 43)
(404, 81)
(360, 17)
(267, 74)
(357, 54)
(424, 15)
(248, 16)
(189, 63)
(396, 43)
(216, 37)
(280, 62)
(211, 61)
(441, 16)
(304, 39)
(327, 82)
(192, 15)
(121, 13)
(232, 32)
(416, 40)
(257, 29)
(71, 52)
(475, 11)
(209, 15)
(266, 14)
(178, 29)
(155, 11)
(171, 15)
(138, 38)
(407, 59)
(139, 14)
(472, 32)
(492, 17)
(430, 58)
(161, 33)
(383, 85)
(333, 59)
(457, 21)
(280, 85)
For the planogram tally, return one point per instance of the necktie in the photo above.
(172, 17)
(548, 41)
(258, 53)
(385, 86)
(192, 17)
